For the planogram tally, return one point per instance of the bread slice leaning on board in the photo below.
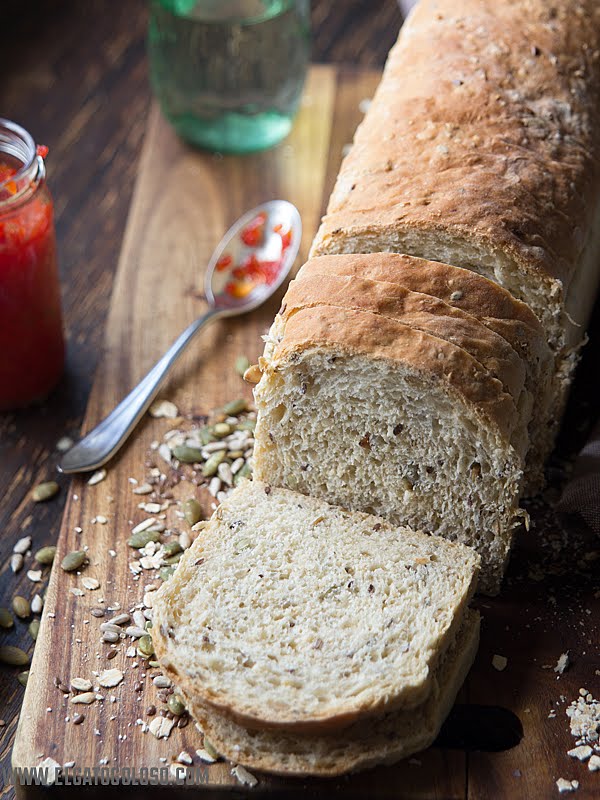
(463, 291)
(481, 149)
(288, 612)
(376, 416)
(294, 618)
(365, 743)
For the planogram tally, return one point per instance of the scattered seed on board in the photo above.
(98, 612)
(142, 538)
(34, 575)
(90, 583)
(235, 407)
(21, 607)
(84, 699)
(81, 685)
(22, 677)
(13, 656)
(22, 545)
(110, 638)
(73, 561)
(6, 620)
(161, 682)
(37, 604)
(64, 443)
(192, 511)
(110, 678)
(175, 705)
(172, 548)
(139, 620)
(45, 555)
(253, 374)
(163, 408)
(145, 646)
(16, 562)
(98, 476)
(243, 776)
(188, 455)
(143, 526)
(210, 466)
(45, 491)
(143, 488)
(120, 619)
(34, 628)
(135, 632)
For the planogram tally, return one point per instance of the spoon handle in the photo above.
(101, 443)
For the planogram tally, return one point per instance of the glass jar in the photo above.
(228, 74)
(31, 331)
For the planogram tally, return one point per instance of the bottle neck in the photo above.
(22, 170)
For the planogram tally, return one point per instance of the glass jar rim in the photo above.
(18, 143)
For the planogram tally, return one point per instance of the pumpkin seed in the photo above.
(172, 548)
(221, 429)
(175, 705)
(173, 559)
(73, 561)
(210, 749)
(13, 656)
(212, 464)
(46, 555)
(21, 607)
(145, 646)
(141, 538)
(241, 365)
(22, 677)
(189, 455)
(166, 572)
(37, 604)
(45, 491)
(192, 511)
(34, 629)
(235, 407)
(153, 664)
(244, 472)
(246, 425)
(6, 620)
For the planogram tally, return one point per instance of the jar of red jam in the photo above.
(31, 333)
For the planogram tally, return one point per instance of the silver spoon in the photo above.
(100, 444)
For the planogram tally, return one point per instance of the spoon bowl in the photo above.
(247, 267)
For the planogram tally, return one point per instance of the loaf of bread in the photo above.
(377, 416)
(288, 613)
(475, 296)
(365, 743)
(481, 149)
(310, 640)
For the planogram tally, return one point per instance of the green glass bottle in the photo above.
(228, 74)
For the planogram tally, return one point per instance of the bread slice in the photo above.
(379, 417)
(480, 149)
(364, 744)
(289, 613)
(488, 302)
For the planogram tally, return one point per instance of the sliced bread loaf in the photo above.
(483, 299)
(365, 743)
(289, 613)
(373, 415)
(481, 149)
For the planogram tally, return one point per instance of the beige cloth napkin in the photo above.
(581, 495)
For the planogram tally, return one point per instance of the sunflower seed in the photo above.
(139, 619)
(224, 472)
(135, 632)
(23, 545)
(161, 682)
(34, 575)
(110, 637)
(213, 447)
(98, 476)
(37, 604)
(163, 408)
(143, 526)
(185, 540)
(143, 488)
(110, 627)
(16, 562)
(214, 487)
(237, 465)
(120, 619)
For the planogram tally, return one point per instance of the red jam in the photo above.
(31, 332)
(252, 270)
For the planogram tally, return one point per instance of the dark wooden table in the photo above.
(75, 75)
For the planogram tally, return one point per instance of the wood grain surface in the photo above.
(513, 721)
(75, 75)
(91, 64)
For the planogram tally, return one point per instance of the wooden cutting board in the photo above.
(183, 202)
